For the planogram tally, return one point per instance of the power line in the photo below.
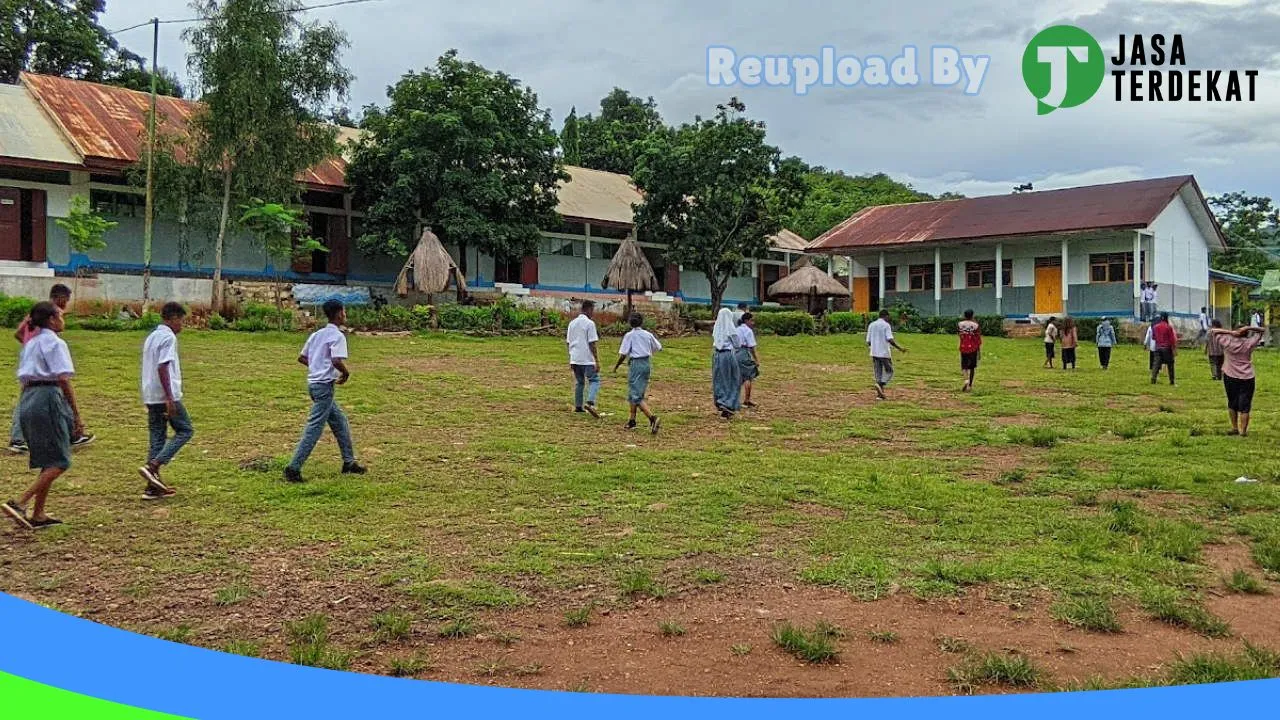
(183, 21)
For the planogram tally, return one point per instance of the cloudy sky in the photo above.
(572, 52)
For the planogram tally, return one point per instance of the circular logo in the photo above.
(1063, 66)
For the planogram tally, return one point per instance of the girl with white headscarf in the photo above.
(726, 379)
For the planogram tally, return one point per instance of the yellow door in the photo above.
(1048, 290)
(862, 294)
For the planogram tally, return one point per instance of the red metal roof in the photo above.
(1116, 206)
(107, 125)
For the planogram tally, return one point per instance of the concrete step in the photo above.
(19, 268)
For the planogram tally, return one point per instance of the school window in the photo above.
(611, 232)
(1111, 267)
(921, 277)
(567, 248)
(948, 276)
(890, 278)
(117, 204)
(983, 274)
(603, 251)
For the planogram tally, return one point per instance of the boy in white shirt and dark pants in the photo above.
(325, 355)
(880, 340)
(162, 394)
(582, 337)
(638, 347)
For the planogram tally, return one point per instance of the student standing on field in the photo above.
(726, 377)
(1050, 339)
(638, 348)
(582, 337)
(737, 314)
(1105, 338)
(748, 360)
(1213, 349)
(880, 341)
(162, 396)
(48, 413)
(60, 296)
(1166, 342)
(970, 347)
(1237, 373)
(1070, 341)
(1204, 327)
(1149, 342)
(325, 355)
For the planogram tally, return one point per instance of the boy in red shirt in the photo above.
(1166, 342)
(970, 346)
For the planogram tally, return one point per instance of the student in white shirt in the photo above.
(1050, 338)
(325, 355)
(748, 360)
(1203, 337)
(48, 413)
(582, 337)
(1149, 341)
(880, 340)
(162, 396)
(638, 348)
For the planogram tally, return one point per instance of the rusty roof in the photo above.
(107, 124)
(1115, 206)
(27, 135)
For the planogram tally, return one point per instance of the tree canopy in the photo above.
(715, 192)
(1251, 225)
(463, 150)
(63, 37)
(613, 140)
(832, 197)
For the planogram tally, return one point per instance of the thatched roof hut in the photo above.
(431, 266)
(630, 270)
(808, 282)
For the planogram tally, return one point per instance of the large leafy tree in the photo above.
(266, 77)
(832, 197)
(464, 150)
(715, 192)
(613, 140)
(1251, 225)
(63, 37)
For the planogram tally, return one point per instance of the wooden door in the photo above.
(862, 294)
(1048, 290)
(339, 246)
(39, 229)
(529, 270)
(10, 224)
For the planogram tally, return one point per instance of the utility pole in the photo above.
(149, 223)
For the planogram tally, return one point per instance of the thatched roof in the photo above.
(808, 280)
(630, 269)
(788, 240)
(431, 266)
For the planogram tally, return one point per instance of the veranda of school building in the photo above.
(1082, 251)
(60, 138)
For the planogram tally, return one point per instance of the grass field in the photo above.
(1061, 520)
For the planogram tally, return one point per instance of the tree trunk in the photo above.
(627, 319)
(183, 244)
(222, 237)
(462, 268)
(717, 292)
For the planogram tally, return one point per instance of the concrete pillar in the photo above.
(1066, 286)
(937, 281)
(1137, 274)
(1000, 278)
(881, 295)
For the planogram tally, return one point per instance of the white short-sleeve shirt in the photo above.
(746, 336)
(160, 347)
(45, 358)
(582, 332)
(879, 335)
(639, 343)
(321, 349)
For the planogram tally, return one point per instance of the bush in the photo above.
(848, 322)
(465, 317)
(258, 317)
(14, 309)
(217, 322)
(693, 312)
(1087, 328)
(991, 325)
(149, 321)
(786, 323)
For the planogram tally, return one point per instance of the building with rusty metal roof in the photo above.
(1084, 251)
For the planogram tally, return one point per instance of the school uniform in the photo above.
(161, 348)
(879, 339)
(970, 344)
(1105, 337)
(44, 413)
(25, 333)
(1050, 337)
(581, 333)
(639, 346)
(747, 366)
(1217, 356)
(321, 349)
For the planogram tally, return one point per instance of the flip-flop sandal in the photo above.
(15, 511)
(45, 523)
(653, 426)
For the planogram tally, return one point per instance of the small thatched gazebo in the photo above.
(431, 268)
(808, 282)
(630, 270)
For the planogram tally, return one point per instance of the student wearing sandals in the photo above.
(748, 360)
(637, 350)
(48, 413)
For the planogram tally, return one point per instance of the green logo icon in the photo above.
(1063, 67)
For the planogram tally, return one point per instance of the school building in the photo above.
(1081, 251)
(60, 138)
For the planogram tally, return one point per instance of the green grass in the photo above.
(410, 666)
(181, 634)
(1242, 583)
(740, 649)
(884, 637)
(309, 644)
(458, 628)
(671, 628)
(1252, 663)
(813, 645)
(1169, 608)
(1088, 613)
(389, 626)
(580, 617)
(243, 647)
(1007, 670)
(486, 495)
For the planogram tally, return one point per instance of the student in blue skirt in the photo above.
(638, 347)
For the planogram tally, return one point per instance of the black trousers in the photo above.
(1163, 358)
(1104, 357)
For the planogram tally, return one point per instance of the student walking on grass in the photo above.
(162, 396)
(1050, 339)
(1203, 336)
(726, 377)
(325, 355)
(582, 337)
(880, 340)
(1105, 338)
(1237, 373)
(1149, 342)
(970, 347)
(638, 348)
(60, 296)
(1213, 349)
(1070, 341)
(1165, 339)
(748, 360)
(48, 413)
